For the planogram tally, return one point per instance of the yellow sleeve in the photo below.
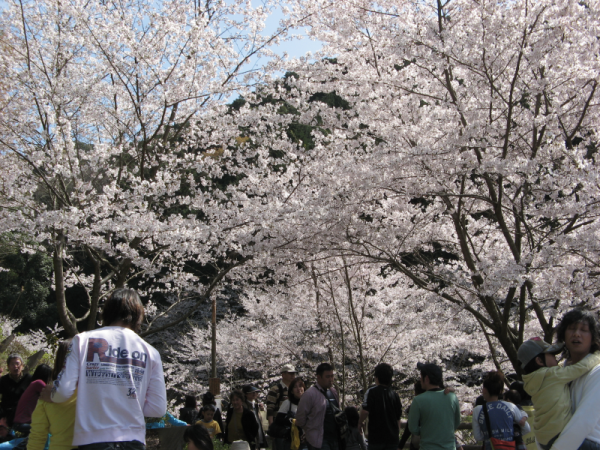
(40, 425)
(570, 373)
(217, 428)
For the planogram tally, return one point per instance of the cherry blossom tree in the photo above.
(340, 312)
(453, 187)
(97, 164)
(465, 157)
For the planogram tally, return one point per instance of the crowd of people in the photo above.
(106, 381)
(564, 396)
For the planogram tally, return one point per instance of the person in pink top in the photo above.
(316, 411)
(28, 401)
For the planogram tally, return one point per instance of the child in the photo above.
(513, 396)
(197, 437)
(208, 412)
(354, 437)
(546, 382)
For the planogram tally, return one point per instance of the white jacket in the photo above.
(585, 423)
(120, 381)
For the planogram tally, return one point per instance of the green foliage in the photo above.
(298, 132)
(17, 347)
(25, 285)
(218, 445)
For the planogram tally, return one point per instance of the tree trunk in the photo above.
(66, 318)
(356, 327)
(95, 295)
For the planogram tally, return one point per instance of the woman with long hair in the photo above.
(57, 419)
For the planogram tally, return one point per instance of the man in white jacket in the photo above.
(118, 377)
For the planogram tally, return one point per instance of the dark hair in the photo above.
(291, 387)
(323, 367)
(418, 387)
(479, 401)
(190, 401)
(352, 416)
(208, 398)
(199, 436)
(123, 304)
(575, 316)
(512, 396)
(208, 408)
(519, 386)
(434, 379)
(532, 365)
(384, 373)
(494, 383)
(60, 357)
(42, 372)
(239, 394)
(13, 356)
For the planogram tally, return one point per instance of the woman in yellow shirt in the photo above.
(56, 419)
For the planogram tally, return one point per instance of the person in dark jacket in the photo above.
(189, 412)
(12, 386)
(240, 424)
(251, 393)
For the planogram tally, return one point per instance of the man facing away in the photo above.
(433, 415)
(383, 408)
(118, 377)
(316, 411)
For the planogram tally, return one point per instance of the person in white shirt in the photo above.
(580, 332)
(118, 377)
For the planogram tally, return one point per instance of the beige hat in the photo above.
(288, 368)
(239, 445)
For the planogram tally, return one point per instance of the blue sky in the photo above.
(296, 48)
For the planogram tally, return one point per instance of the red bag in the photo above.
(497, 444)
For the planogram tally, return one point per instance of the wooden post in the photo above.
(214, 384)
(213, 349)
